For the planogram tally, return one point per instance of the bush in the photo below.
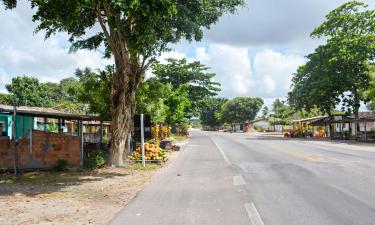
(96, 159)
(61, 165)
(258, 128)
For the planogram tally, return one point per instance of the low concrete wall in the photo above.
(47, 148)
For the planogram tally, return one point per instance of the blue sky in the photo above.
(253, 52)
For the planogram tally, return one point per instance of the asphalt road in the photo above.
(223, 178)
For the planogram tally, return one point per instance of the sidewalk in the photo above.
(197, 189)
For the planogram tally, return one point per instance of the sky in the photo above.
(253, 52)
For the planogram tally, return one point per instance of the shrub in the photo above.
(61, 165)
(176, 148)
(96, 159)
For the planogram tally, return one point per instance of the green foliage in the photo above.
(281, 109)
(177, 103)
(200, 84)
(210, 113)
(341, 65)
(52, 127)
(5, 99)
(240, 109)
(94, 89)
(28, 91)
(150, 99)
(70, 87)
(195, 123)
(61, 165)
(96, 159)
(369, 94)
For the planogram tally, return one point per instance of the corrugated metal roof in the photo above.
(45, 112)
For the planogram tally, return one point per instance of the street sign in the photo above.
(147, 126)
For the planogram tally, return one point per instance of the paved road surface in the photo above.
(223, 178)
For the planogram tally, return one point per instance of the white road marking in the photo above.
(222, 153)
(253, 214)
(238, 180)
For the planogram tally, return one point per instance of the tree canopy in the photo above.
(29, 91)
(337, 72)
(241, 109)
(150, 99)
(210, 113)
(200, 82)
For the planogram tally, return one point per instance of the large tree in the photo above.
(194, 74)
(133, 32)
(350, 30)
(240, 109)
(317, 84)
(210, 113)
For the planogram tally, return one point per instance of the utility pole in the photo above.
(14, 136)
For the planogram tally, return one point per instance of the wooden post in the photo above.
(23, 126)
(101, 134)
(81, 141)
(45, 124)
(59, 125)
(14, 137)
(31, 137)
(365, 130)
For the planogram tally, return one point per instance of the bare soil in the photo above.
(71, 197)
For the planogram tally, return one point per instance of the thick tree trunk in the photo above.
(123, 109)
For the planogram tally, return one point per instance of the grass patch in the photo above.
(179, 138)
(139, 166)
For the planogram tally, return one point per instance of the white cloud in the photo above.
(267, 74)
(274, 24)
(275, 69)
(231, 65)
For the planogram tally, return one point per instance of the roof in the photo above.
(362, 116)
(45, 112)
(258, 120)
(365, 116)
(312, 119)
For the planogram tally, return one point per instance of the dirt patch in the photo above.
(69, 198)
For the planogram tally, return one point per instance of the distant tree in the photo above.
(281, 109)
(240, 109)
(70, 87)
(28, 91)
(200, 82)
(133, 33)
(265, 112)
(209, 115)
(5, 99)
